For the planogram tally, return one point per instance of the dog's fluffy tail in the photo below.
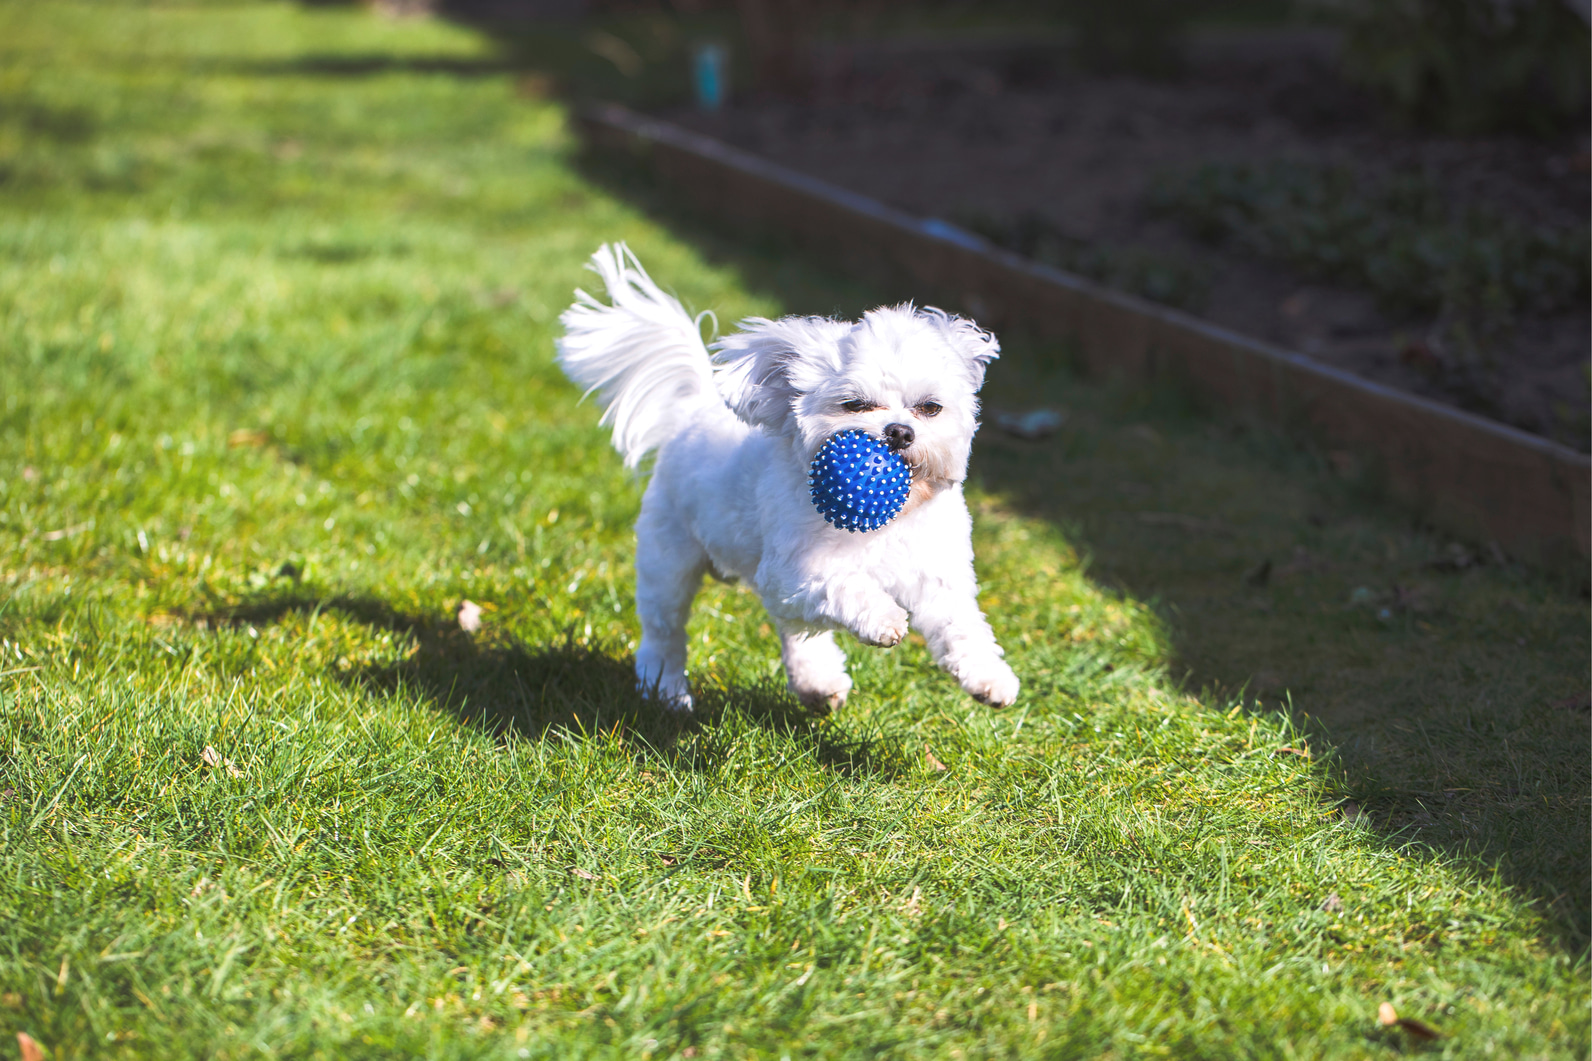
(643, 355)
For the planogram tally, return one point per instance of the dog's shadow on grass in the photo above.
(569, 691)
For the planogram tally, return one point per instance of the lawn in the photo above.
(277, 299)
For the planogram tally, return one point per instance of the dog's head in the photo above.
(905, 375)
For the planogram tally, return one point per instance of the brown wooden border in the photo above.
(1468, 475)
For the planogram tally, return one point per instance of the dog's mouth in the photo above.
(925, 470)
(931, 466)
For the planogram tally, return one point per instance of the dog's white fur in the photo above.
(735, 432)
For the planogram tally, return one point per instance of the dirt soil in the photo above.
(1001, 129)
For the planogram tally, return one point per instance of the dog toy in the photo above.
(858, 482)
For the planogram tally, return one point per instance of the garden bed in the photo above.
(1256, 190)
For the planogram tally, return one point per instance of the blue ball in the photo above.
(858, 482)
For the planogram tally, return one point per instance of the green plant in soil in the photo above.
(1398, 238)
(277, 298)
(1468, 275)
(1469, 66)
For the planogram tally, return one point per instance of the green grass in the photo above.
(277, 298)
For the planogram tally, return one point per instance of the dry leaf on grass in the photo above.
(66, 532)
(469, 616)
(31, 1050)
(930, 761)
(213, 759)
(1389, 1017)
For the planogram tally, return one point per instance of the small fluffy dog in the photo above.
(736, 431)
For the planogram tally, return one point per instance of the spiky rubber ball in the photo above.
(858, 482)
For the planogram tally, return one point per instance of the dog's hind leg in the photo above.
(669, 567)
(815, 666)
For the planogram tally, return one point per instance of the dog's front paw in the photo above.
(821, 701)
(883, 629)
(991, 682)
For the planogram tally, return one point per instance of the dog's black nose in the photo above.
(899, 436)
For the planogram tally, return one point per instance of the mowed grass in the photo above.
(277, 298)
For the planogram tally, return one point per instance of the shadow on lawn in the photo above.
(569, 691)
(1442, 753)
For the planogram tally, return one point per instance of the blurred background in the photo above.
(1398, 187)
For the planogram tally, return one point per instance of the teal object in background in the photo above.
(709, 69)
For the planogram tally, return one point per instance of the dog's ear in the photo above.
(765, 367)
(977, 346)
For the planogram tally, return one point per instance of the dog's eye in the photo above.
(929, 408)
(858, 405)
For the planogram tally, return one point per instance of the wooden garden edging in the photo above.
(1471, 476)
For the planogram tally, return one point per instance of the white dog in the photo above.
(736, 431)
